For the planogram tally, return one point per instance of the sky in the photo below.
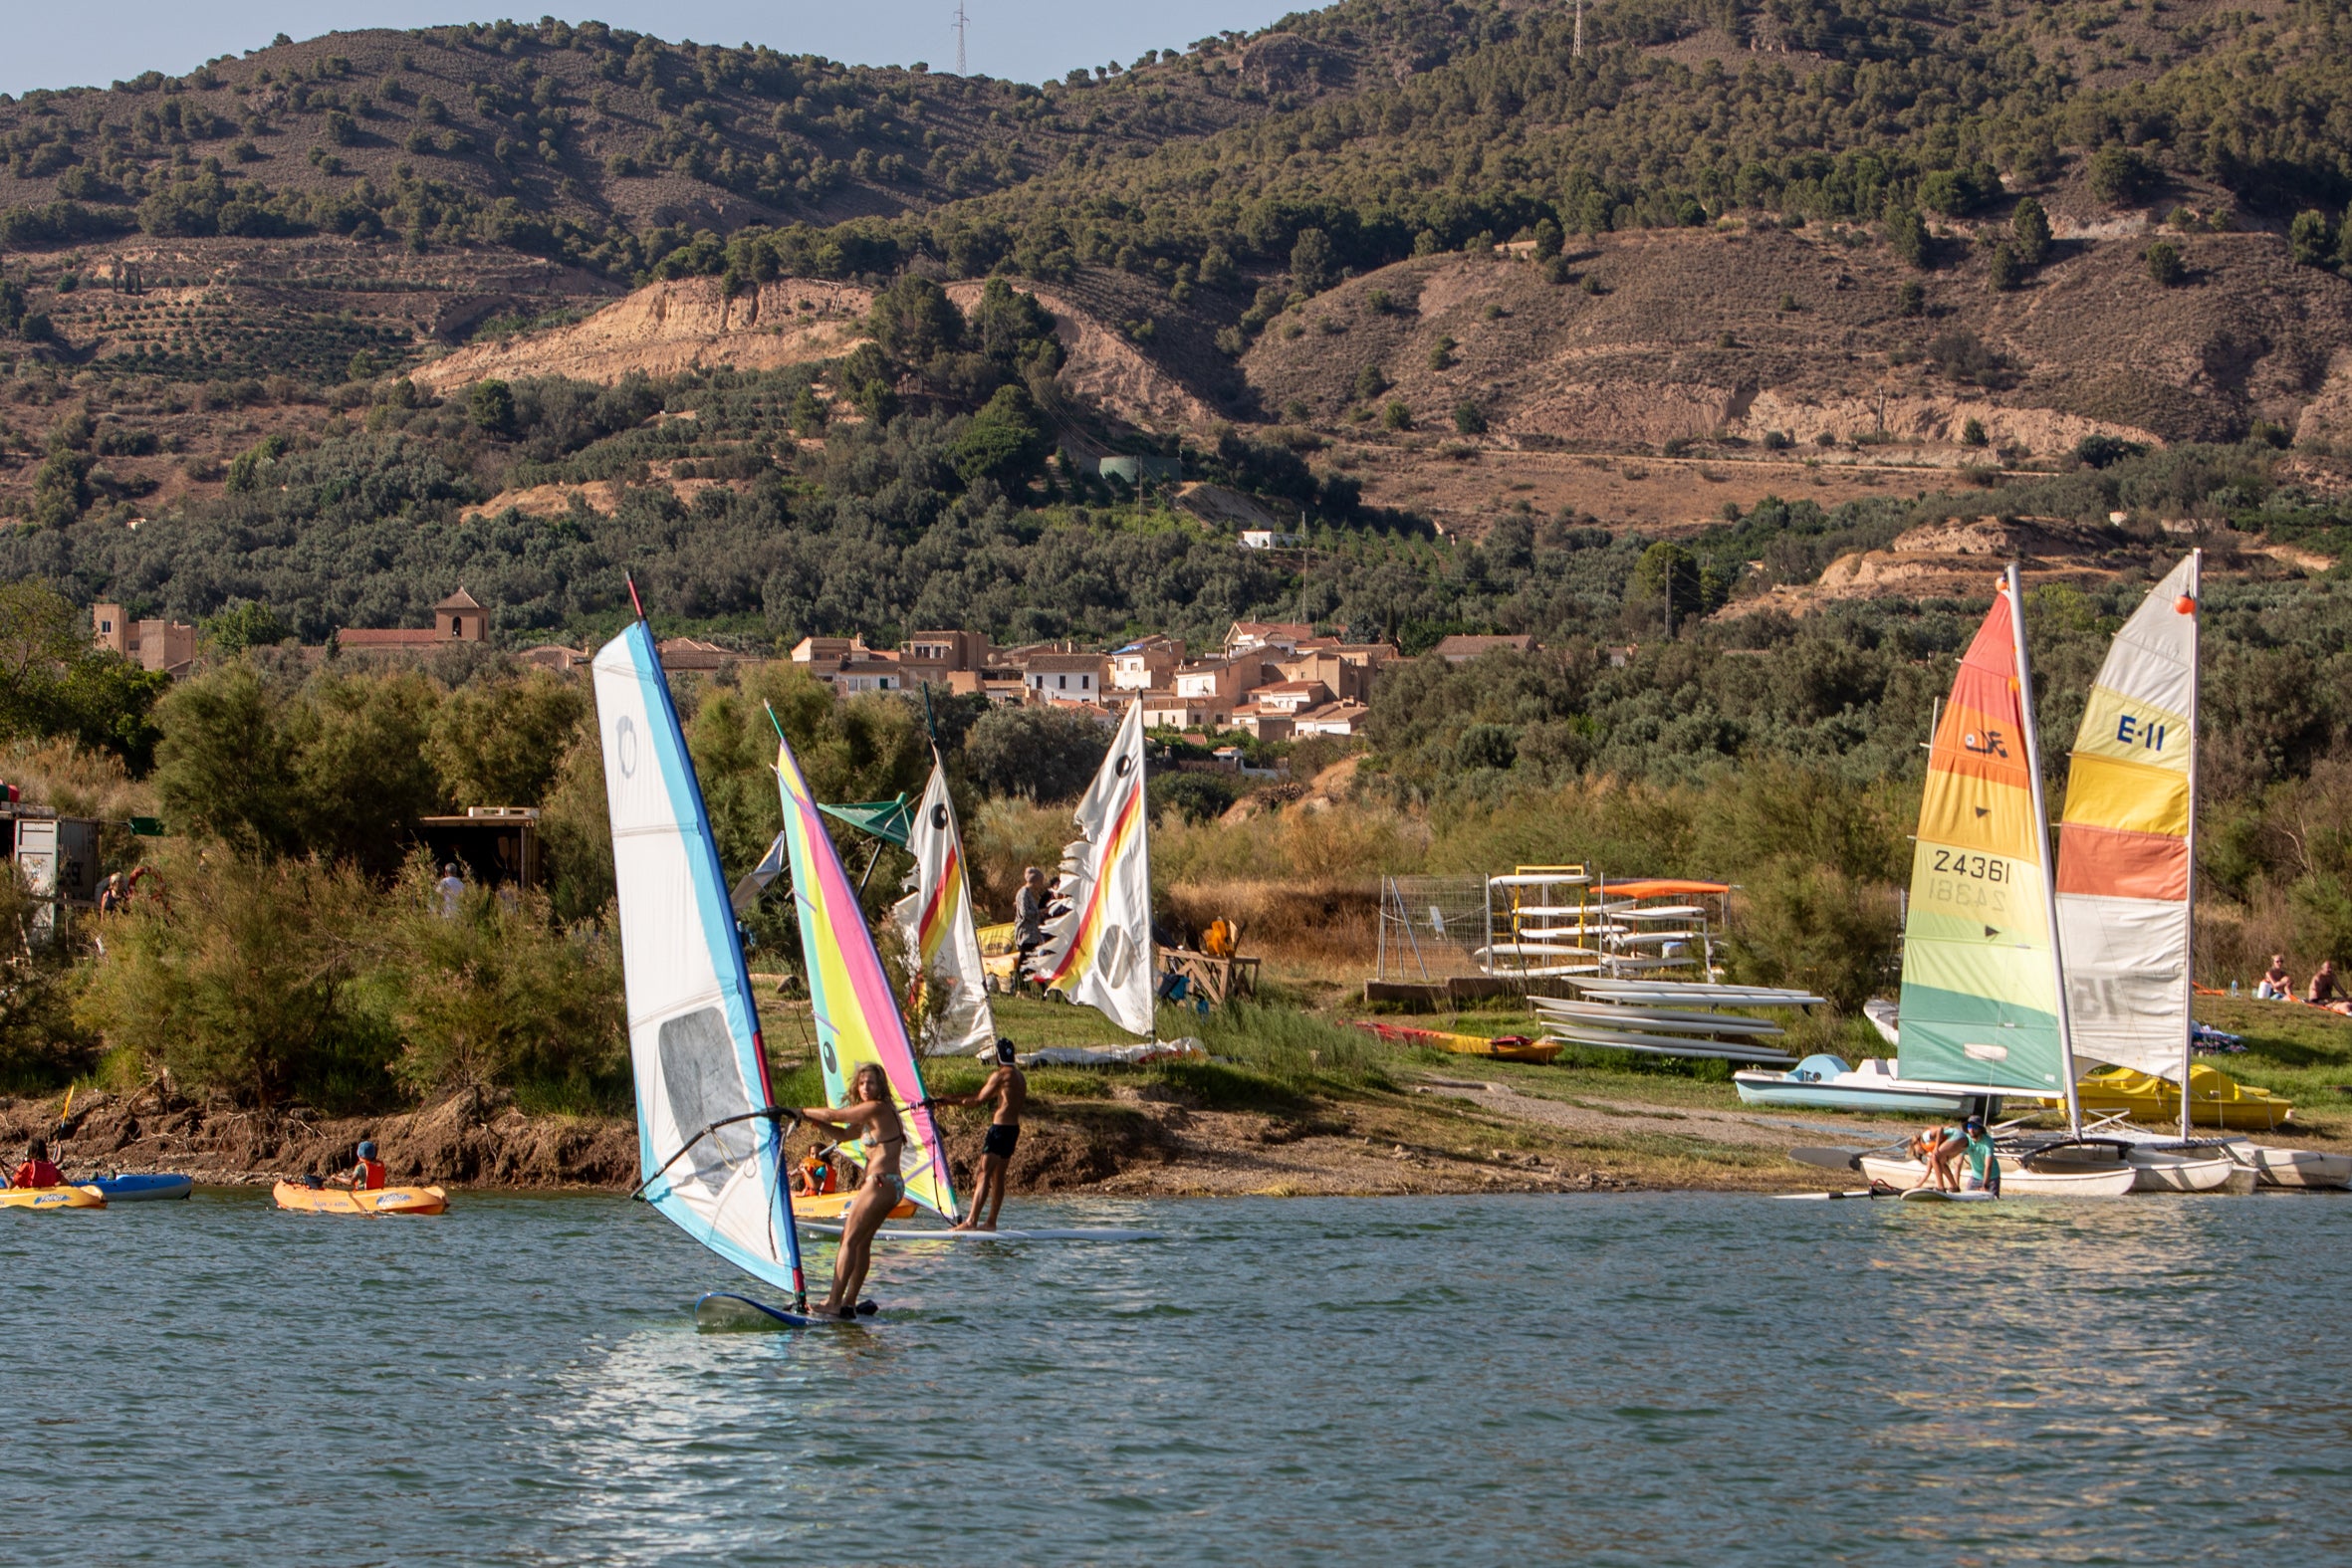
(55, 46)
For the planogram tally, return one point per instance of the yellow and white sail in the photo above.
(1097, 951)
(942, 943)
(2124, 840)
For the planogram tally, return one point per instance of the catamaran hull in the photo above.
(2278, 1167)
(2015, 1182)
(2170, 1173)
(1786, 1089)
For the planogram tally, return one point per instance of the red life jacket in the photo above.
(368, 1174)
(37, 1173)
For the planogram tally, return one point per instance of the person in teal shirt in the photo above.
(1983, 1162)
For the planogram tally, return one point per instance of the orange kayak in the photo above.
(380, 1201)
(52, 1198)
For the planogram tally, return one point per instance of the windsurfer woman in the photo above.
(871, 1114)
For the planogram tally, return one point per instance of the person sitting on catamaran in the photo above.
(1984, 1162)
(871, 1114)
(1007, 1090)
(2276, 985)
(37, 1171)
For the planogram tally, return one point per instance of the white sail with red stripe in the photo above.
(942, 943)
(1097, 949)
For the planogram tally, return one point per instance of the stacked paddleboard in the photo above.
(1661, 1017)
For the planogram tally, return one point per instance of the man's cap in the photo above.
(1974, 1122)
(1006, 1049)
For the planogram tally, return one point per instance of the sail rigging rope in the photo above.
(773, 1113)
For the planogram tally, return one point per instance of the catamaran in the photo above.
(1983, 1008)
(708, 1140)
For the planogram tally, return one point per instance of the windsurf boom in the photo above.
(708, 1143)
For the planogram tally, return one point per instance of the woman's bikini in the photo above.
(873, 1147)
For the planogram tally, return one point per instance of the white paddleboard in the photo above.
(1928, 1194)
(943, 1234)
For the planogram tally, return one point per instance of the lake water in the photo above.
(1606, 1379)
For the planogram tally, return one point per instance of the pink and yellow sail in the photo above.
(1981, 1005)
(856, 1014)
(2125, 839)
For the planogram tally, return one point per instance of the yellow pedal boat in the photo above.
(2214, 1099)
(52, 1198)
(382, 1200)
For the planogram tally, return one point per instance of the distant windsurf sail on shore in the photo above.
(856, 1012)
(1098, 951)
(942, 943)
(710, 1151)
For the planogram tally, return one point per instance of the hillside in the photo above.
(1390, 266)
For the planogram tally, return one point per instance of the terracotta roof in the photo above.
(1471, 647)
(1063, 663)
(1275, 628)
(388, 637)
(461, 599)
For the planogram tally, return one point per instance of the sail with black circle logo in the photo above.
(1097, 949)
(855, 1012)
(713, 1164)
(1981, 1005)
(942, 943)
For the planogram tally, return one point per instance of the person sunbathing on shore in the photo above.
(2326, 988)
(2276, 985)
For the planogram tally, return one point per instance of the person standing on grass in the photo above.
(1029, 921)
(451, 887)
(1007, 1090)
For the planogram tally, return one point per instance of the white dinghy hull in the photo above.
(2113, 1182)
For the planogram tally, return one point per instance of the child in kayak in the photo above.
(37, 1171)
(367, 1176)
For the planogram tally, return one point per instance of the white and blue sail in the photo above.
(711, 1152)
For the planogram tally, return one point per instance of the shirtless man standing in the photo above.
(1007, 1090)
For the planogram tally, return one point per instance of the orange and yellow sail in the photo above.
(1980, 1003)
(2124, 840)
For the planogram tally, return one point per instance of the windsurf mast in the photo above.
(2043, 853)
(2193, 608)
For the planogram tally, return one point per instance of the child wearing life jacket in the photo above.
(37, 1171)
(816, 1174)
(368, 1175)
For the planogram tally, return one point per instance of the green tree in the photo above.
(914, 321)
(2003, 268)
(2312, 239)
(1668, 574)
(1006, 441)
(2122, 176)
(224, 769)
(1311, 261)
(1469, 419)
(2165, 265)
(2029, 232)
(1548, 239)
(1973, 433)
(500, 743)
(1910, 299)
(362, 770)
(244, 625)
(491, 406)
(1907, 234)
(1369, 384)
(1045, 753)
(1398, 415)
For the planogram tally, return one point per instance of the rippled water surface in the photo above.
(1606, 1379)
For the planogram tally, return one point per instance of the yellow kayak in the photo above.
(832, 1205)
(51, 1198)
(382, 1200)
(2214, 1099)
